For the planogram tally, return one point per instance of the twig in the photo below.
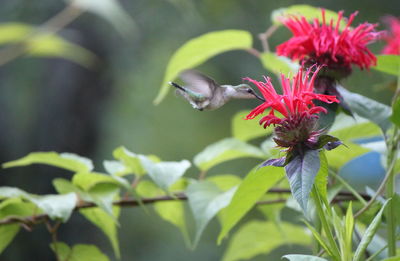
(264, 37)
(28, 222)
(52, 26)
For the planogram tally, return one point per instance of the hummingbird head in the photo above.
(244, 91)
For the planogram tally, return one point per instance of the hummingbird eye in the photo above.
(249, 90)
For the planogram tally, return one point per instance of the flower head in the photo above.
(393, 37)
(299, 113)
(325, 44)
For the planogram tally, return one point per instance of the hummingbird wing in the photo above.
(199, 83)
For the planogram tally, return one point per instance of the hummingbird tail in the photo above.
(177, 86)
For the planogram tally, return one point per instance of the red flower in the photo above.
(299, 122)
(296, 100)
(393, 38)
(325, 44)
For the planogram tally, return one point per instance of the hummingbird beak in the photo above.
(258, 97)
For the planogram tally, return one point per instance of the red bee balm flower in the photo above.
(325, 44)
(393, 38)
(300, 114)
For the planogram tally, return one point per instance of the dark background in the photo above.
(53, 104)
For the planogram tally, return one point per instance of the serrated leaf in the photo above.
(205, 201)
(253, 187)
(301, 172)
(256, 237)
(67, 161)
(166, 173)
(389, 64)
(245, 130)
(309, 12)
(365, 107)
(278, 64)
(78, 252)
(303, 258)
(395, 118)
(224, 150)
(369, 233)
(56, 206)
(45, 45)
(200, 49)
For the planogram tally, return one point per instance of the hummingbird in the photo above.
(203, 93)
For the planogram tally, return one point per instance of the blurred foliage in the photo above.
(53, 104)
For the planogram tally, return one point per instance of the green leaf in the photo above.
(47, 45)
(365, 107)
(98, 188)
(67, 161)
(303, 258)
(278, 64)
(130, 161)
(112, 11)
(200, 49)
(206, 200)
(301, 172)
(389, 64)
(17, 208)
(309, 12)
(256, 237)
(224, 150)
(253, 187)
(321, 179)
(165, 174)
(319, 238)
(369, 233)
(348, 128)
(225, 182)
(171, 211)
(56, 206)
(79, 252)
(349, 227)
(395, 118)
(245, 130)
(105, 223)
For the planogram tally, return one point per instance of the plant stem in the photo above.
(325, 224)
(390, 192)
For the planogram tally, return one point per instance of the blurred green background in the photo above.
(54, 104)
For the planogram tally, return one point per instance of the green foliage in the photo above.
(367, 108)
(278, 64)
(56, 206)
(246, 130)
(395, 118)
(303, 258)
(165, 174)
(67, 161)
(301, 172)
(253, 187)
(112, 11)
(389, 64)
(259, 237)
(44, 45)
(309, 12)
(77, 252)
(224, 150)
(206, 200)
(200, 49)
(369, 233)
(321, 179)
